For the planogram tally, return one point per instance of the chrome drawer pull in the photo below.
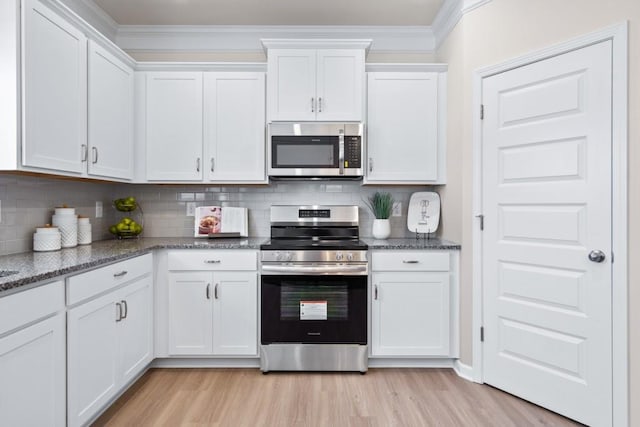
(410, 261)
(119, 313)
(122, 273)
(208, 292)
(212, 261)
(215, 291)
(375, 292)
(126, 309)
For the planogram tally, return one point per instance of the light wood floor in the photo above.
(382, 397)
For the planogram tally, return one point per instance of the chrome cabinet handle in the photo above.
(198, 165)
(122, 273)
(213, 164)
(208, 291)
(126, 309)
(410, 261)
(375, 292)
(319, 105)
(341, 151)
(370, 164)
(85, 152)
(94, 150)
(597, 256)
(312, 105)
(215, 291)
(212, 261)
(119, 312)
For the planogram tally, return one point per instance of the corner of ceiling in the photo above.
(95, 16)
(449, 15)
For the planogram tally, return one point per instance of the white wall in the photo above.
(503, 29)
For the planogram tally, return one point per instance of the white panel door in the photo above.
(402, 136)
(135, 330)
(110, 115)
(340, 84)
(235, 313)
(234, 114)
(547, 206)
(92, 346)
(410, 314)
(174, 126)
(32, 375)
(55, 91)
(292, 84)
(190, 313)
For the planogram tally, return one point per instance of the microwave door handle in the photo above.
(341, 151)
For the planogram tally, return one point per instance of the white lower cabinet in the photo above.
(32, 358)
(411, 304)
(110, 341)
(212, 302)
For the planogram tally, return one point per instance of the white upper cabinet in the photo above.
(174, 126)
(110, 115)
(405, 128)
(54, 91)
(234, 126)
(315, 84)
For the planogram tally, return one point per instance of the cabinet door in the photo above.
(135, 334)
(410, 314)
(110, 115)
(32, 375)
(340, 84)
(92, 357)
(190, 313)
(235, 126)
(235, 322)
(55, 91)
(402, 136)
(174, 126)
(291, 84)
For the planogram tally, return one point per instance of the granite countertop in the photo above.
(38, 266)
(412, 243)
(35, 267)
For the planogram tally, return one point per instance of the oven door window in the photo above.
(295, 152)
(314, 309)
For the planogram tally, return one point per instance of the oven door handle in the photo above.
(314, 270)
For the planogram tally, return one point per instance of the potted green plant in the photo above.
(381, 205)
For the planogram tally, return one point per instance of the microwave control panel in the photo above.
(352, 152)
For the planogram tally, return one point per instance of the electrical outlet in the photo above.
(98, 209)
(191, 209)
(397, 209)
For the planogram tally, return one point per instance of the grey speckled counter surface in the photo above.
(422, 244)
(38, 266)
(35, 267)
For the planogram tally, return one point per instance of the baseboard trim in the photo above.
(183, 362)
(409, 363)
(463, 371)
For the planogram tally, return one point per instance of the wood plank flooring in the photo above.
(382, 397)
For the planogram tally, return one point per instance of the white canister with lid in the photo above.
(47, 238)
(67, 221)
(84, 231)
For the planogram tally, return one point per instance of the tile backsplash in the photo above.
(28, 202)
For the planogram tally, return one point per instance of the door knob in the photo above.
(596, 256)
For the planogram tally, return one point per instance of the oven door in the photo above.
(323, 309)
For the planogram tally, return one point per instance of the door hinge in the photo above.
(612, 257)
(481, 111)
(481, 218)
(481, 333)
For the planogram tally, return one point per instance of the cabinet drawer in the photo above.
(94, 282)
(211, 260)
(28, 306)
(410, 261)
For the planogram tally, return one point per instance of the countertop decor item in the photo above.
(130, 224)
(84, 231)
(423, 215)
(66, 220)
(217, 221)
(47, 238)
(381, 205)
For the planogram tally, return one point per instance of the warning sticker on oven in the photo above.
(313, 310)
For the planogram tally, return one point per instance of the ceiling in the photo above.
(272, 12)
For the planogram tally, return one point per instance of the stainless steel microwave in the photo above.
(316, 150)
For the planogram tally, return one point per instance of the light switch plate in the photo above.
(191, 209)
(397, 209)
(98, 209)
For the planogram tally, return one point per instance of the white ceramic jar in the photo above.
(67, 221)
(84, 231)
(46, 239)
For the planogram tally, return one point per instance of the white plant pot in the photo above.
(381, 229)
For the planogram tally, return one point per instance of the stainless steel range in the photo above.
(314, 291)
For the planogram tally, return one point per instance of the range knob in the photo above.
(279, 256)
(349, 257)
(338, 256)
(287, 256)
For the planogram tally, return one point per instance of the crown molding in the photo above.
(95, 16)
(316, 44)
(405, 67)
(247, 38)
(260, 67)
